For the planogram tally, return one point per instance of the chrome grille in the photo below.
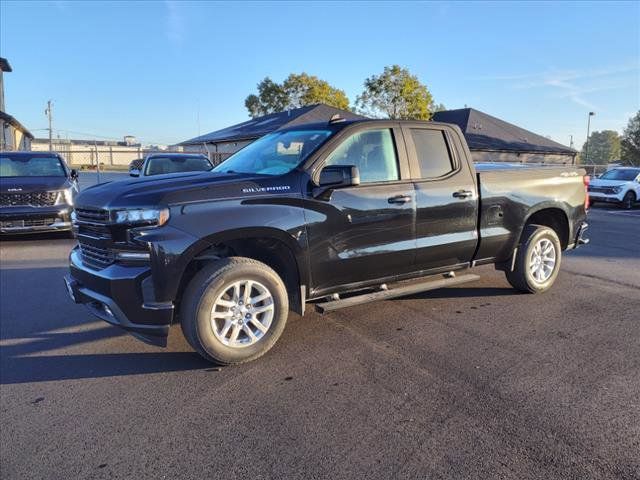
(92, 215)
(35, 199)
(605, 190)
(95, 257)
(94, 237)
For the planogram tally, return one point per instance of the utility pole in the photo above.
(49, 114)
(586, 147)
(573, 161)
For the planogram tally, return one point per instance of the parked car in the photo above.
(335, 213)
(619, 185)
(135, 167)
(163, 163)
(37, 192)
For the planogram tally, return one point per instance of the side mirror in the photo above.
(134, 172)
(339, 176)
(74, 174)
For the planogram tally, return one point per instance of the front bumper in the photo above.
(27, 219)
(122, 296)
(603, 197)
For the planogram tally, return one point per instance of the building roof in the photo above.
(257, 127)
(73, 141)
(4, 65)
(484, 132)
(15, 123)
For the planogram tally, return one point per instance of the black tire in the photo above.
(628, 200)
(199, 299)
(522, 278)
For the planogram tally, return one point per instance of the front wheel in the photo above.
(537, 261)
(628, 200)
(234, 310)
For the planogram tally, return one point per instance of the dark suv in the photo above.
(37, 192)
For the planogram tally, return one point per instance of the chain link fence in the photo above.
(119, 158)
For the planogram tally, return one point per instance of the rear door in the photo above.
(446, 197)
(364, 232)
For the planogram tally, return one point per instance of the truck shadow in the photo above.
(22, 359)
(72, 367)
(467, 292)
(41, 330)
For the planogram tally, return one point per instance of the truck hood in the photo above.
(596, 182)
(32, 184)
(170, 189)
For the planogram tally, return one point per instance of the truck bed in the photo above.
(511, 192)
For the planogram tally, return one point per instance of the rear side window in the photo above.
(433, 154)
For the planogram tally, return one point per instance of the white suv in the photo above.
(618, 185)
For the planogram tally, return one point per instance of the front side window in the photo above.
(432, 152)
(31, 166)
(372, 151)
(275, 154)
(162, 165)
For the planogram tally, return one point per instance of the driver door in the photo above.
(366, 232)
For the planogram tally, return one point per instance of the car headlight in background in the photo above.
(616, 189)
(65, 197)
(142, 216)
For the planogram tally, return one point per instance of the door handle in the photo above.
(400, 199)
(462, 194)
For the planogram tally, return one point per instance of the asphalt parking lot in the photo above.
(471, 382)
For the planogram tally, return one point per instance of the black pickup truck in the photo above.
(336, 214)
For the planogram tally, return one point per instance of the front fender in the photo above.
(196, 227)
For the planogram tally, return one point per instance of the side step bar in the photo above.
(325, 307)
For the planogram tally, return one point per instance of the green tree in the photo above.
(604, 148)
(296, 91)
(303, 89)
(271, 98)
(438, 108)
(630, 144)
(397, 94)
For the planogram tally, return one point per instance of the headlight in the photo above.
(617, 189)
(143, 216)
(65, 197)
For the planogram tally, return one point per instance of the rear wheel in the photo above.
(628, 200)
(234, 310)
(537, 261)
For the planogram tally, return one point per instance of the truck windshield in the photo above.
(275, 154)
(625, 174)
(162, 165)
(31, 166)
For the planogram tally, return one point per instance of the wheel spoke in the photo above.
(234, 333)
(226, 314)
(225, 303)
(260, 298)
(247, 291)
(236, 292)
(262, 309)
(225, 329)
(259, 325)
(250, 334)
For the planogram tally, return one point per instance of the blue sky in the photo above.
(148, 68)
